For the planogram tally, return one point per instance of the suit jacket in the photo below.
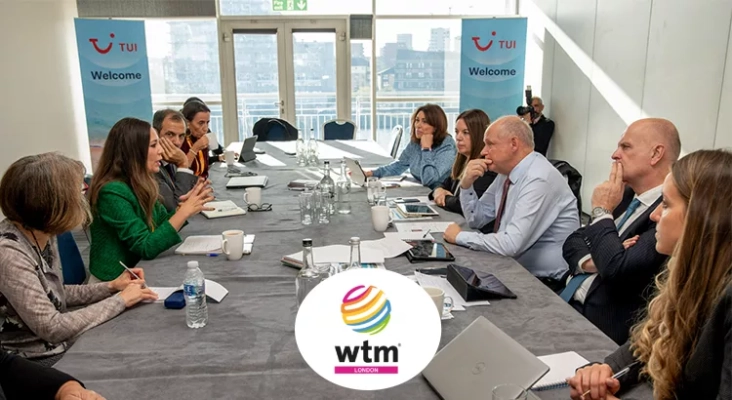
(173, 184)
(543, 132)
(620, 289)
(706, 374)
(452, 203)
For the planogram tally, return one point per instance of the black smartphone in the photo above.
(403, 200)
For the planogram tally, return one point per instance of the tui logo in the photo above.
(476, 41)
(104, 50)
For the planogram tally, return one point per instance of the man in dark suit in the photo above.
(614, 258)
(175, 178)
(542, 126)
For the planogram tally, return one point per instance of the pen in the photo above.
(616, 376)
(133, 274)
(425, 234)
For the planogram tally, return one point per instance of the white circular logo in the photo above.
(368, 329)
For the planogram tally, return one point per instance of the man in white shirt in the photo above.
(614, 259)
(533, 206)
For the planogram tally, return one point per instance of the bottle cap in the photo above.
(192, 264)
(355, 239)
(307, 242)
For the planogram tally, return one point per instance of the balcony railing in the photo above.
(314, 109)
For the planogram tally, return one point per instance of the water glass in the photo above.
(323, 202)
(371, 183)
(509, 391)
(379, 193)
(306, 208)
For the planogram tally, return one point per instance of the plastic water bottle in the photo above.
(194, 288)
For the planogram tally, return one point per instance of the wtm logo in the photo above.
(368, 311)
(367, 329)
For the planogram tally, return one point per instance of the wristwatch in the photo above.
(598, 212)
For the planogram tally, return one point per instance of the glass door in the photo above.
(292, 69)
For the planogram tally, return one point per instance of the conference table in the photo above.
(248, 349)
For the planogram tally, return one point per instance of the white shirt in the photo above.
(646, 201)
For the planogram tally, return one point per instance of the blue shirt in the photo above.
(540, 213)
(430, 167)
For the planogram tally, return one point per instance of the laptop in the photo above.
(358, 176)
(247, 152)
(480, 358)
(247, 181)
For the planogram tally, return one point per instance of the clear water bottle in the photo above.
(312, 147)
(343, 187)
(308, 277)
(327, 185)
(355, 261)
(194, 288)
(301, 150)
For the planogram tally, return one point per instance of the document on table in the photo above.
(214, 291)
(433, 226)
(442, 283)
(389, 248)
(209, 244)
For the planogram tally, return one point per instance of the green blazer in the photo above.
(120, 232)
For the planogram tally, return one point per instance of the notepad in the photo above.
(225, 208)
(561, 366)
(209, 244)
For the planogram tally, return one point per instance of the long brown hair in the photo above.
(697, 275)
(477, 122)
(124, 159)
(436, 117)
(43, 192)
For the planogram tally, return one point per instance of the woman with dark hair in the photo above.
(41, 197)
(196, 145)
(130, 222)
(217, 154)
(430, 152)
(470, 127)
(682, 346)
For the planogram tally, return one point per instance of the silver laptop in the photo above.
(358, 177)
(247, 181)
(480, 358)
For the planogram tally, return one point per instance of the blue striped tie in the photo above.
(631, 209)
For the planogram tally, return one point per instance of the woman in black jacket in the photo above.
(470, 127)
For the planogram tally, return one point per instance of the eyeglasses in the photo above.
(263, 207)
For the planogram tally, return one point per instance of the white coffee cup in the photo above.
(229, 156)
(380, 218)
(253, 196)
(232, 244)
(438, 297)
(213, 142)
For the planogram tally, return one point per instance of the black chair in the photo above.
(339, 129)
(574, 179)
(72, 264)
(274, 130)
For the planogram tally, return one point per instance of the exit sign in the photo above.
(289, 5)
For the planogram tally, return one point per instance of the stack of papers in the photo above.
(442, 283)
(214, 291)
(209, 244)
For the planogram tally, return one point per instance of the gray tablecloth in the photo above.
(248, 349)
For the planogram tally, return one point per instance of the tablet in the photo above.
(417, 209)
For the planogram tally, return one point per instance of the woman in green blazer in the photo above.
(130, 223)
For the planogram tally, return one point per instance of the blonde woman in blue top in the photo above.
(430, 153)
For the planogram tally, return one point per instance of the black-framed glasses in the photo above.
(263, 207)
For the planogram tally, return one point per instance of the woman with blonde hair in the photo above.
(470, 128)
(682, 346)
(130, 222)
(41, 197)
(430, 152)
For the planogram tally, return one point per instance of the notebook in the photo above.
(247, 181)
(223, 209)
(209, 244)
(561, 366)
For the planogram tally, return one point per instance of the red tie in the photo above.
(499, 214)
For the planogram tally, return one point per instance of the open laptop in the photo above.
(247, 152)
(480, 358)
(247, 181)
(358, 176)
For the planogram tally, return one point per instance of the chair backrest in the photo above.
(396, 134)
(574, 179)
(72, 265)
(273, 130)
(339, 129)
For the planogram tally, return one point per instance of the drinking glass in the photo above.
(306, 208)
(509, 391)
(379, 193)
(371, 184)
(322, 207)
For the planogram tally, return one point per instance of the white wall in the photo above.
(614, 61)
(42, 102)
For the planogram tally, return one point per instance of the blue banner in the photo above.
(492, 57)
(114, 75)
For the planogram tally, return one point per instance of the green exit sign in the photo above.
(289, 5)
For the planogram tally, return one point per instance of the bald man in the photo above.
(533, 206)
(614, 259)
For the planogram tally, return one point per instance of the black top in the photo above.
(708, 371)
(24, 379)
(452, 203)
(543, 131)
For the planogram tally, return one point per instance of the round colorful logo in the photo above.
(366, 309)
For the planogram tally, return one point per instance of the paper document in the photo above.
(225, 208)
(408, 236)
(209, 244)
(388, 248)
(214, 291)
(434, 226)
(442, 283)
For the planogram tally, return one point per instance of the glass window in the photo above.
(418, 63)
(315, 79)
(361, 87)
(183, 58)
(311, 7)
(446, 7)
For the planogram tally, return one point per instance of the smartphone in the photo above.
(403, 200)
